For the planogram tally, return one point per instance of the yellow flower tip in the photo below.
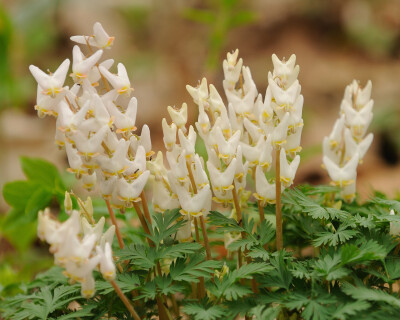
(87, 293)
(109, 275)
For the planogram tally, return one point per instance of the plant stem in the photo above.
(279, 235)
(125, 300)
(114, 221)
(261, 211)
(145, 207)
(240, 221)
(201, 288)
(205, 237)
(202, 221)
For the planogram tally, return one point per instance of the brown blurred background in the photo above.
(166, 44)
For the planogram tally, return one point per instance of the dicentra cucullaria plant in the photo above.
(251, 256)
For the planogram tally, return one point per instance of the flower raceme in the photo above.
(79, 247)
(96, 125)
(347, 144)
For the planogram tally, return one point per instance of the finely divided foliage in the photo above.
(208, 246)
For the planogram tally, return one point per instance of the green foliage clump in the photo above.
(350, 272)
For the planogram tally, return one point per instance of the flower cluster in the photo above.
(79, 246)
(241, 138)
(95, 122)
(347, 144)
(185, 184)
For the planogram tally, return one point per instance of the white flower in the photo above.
(178, 165)
(88, 286)
(89, 181)
(107, 266)
(184, 233)
(94, 74)
(203, 123)
(337, 132)
(286, 72)
(288, 171)
(226, 148)
(279, 134)
(266, 112)
(200, 93)
(358, 121)
(81, 66)
(345, 175)
(46, 226)
(117, 163)
(99, 39)
(188, 142)
(293, 142)
(232, 69)
(253, 153)
(107, 186)
(72, 121)
(222, 180)
(179, 117)
(216, 102)
(71, 248)
(107, 237)
(243, 103)
(124, 121)
(120, 81)
(353, 147)
(163, 198)
(52, 84)
(130, 191)
(81, 271)
(97, 229)
(47, 105)
(265, 159)
(394, 226)
(156, 166)
(254, 131)
(74, 160)
(101, 115)
(285, 99)
(332, 153)
(137, 166)
(199, 174)
(90, 147)
(196, 204)
(169, 134)
(265, 191)
(144, 140)
(348, 192)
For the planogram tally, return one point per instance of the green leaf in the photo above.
(369, 250)
(313, 308)
(313, 209)
(363, 293)
(341, 235)
(223, 223)
(39, 170)
(39, 200)
(329, 267)
(165, 225)
(280, 276)
(195, 268)
(350, 309)
(204, 312)
(393, 267)
(18, 193)
(391, 204)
